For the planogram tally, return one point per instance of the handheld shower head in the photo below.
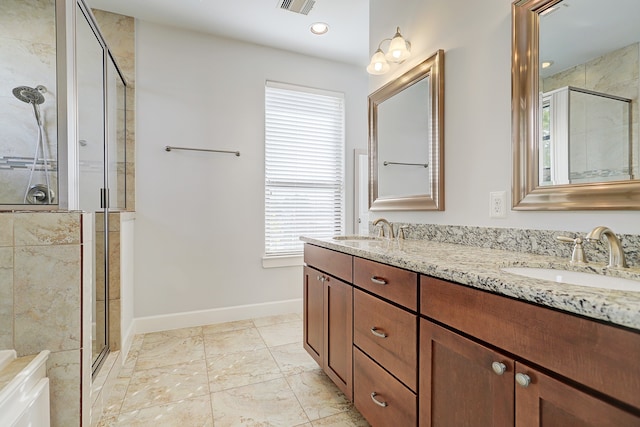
(30, 95)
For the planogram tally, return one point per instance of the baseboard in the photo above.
(127, 340)
(142, 325)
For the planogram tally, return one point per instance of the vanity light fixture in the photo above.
(319, 28)
(399, 50)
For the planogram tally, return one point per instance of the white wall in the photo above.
(476, 38)
(200, 216)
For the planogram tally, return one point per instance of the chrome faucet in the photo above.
(384, 221)
(616, 254)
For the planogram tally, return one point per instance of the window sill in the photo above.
(282, 261)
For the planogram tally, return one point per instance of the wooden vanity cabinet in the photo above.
(328, 314)
(563, 370)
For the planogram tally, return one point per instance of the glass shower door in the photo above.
(91, 165)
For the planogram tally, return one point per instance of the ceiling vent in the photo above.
(297, 6)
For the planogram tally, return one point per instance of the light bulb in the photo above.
(399, 48)
(378, 64)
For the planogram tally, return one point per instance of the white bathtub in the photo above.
(24, 390)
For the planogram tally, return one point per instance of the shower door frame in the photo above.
(73, 156)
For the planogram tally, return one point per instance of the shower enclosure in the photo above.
(62, 126)
(586, 136)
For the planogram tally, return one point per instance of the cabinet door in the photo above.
(458, 384)
(313, 313)
(338, 339)
(544, 401)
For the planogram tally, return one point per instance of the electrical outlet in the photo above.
(498, 204)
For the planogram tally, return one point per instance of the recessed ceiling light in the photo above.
(547, 64)
(319, 28)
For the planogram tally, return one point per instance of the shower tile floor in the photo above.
(245, 373)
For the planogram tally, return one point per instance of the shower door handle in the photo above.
(104, 198)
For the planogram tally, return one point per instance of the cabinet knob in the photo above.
(378, 402)
(499, 368)
(377, 333)
(378, 280)
(523, 380)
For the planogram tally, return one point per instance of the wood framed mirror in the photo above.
(575, 124)
(406, 140)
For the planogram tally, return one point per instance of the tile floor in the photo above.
(245, 373)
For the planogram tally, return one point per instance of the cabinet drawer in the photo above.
(335, 263)
(387, 334)
(379, 397)
(599, 356)
(392, 283)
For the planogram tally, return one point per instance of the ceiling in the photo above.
(263, 22)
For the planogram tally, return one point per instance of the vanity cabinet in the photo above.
(328, 314)
(412, 350)
(490, 360)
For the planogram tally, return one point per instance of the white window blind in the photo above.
(304, 166)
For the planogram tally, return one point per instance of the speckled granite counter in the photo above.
(481, 268)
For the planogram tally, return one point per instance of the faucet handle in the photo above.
(380, 228)
(577, 256)
(402, 232)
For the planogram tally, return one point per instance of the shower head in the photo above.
(30, 95)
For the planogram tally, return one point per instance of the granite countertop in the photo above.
(481, 268)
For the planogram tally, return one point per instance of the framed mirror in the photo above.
(575, 115)
(406, 137)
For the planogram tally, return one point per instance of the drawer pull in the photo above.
(523, 380)
(378, 281)
(375, 332)
(499, 368)
(377, 402)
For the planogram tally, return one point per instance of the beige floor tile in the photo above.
(129, 364)
(282, 333)
(270, 403)
(350, 418)
(170, 351)
(151, 387)
(243, 368)
(233, 342)
(242, 381)
(107, 422)
(226, 327)
(293, 359)
(173, 333)
(273, 320)
(194, 412)
(115, 396)
(318, 395)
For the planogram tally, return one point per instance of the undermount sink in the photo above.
(355, 237)
(576, 278)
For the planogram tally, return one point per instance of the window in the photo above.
(304, 166)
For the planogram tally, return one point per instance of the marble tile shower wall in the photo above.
(41, 299)
(540, 242)
(28, 58)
